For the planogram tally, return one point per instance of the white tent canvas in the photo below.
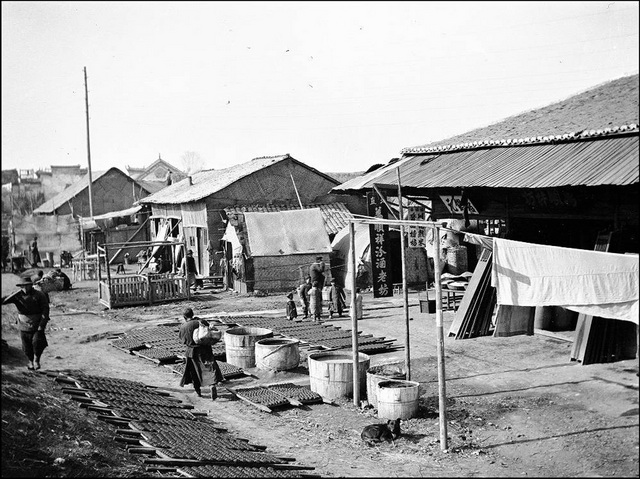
(341, 246)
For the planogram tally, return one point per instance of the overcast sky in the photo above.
(337, 85)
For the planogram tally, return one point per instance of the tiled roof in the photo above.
(335, 215)
(605, 106)
(530, 150)
(208, 182)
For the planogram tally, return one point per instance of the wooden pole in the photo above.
(354, 317)
(405, 292)
(296, 188)
(86, 102)
(442, 395)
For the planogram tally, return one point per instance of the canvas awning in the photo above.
(100, 221)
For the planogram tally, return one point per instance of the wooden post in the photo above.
(405, 292)
(442, 395)
(106, 263)
(354, 317)
(84, 265)
(184, 256)
(86, 101)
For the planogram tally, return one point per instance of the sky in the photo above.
(339, 86)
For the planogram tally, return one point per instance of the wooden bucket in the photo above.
(398, 399)
(383, 372)
(277, 354)
(240, 345)
(331, 373)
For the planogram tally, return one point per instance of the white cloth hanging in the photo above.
(595, 283)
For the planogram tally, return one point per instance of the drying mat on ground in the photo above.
(266, 398)
(248, 472)
(171, 435)
(300, 393)
(315, 334)
(158, 355)
(129, 344)
(229, 371)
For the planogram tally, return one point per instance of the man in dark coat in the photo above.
(316, 272)
(33, 316)
(198, 356)
(35, 253)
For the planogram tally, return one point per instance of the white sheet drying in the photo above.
(589, 282)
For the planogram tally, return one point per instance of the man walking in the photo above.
(33, 316)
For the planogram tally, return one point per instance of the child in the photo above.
(358, 304)
(292, 312)
(336, 299)
(315, 301)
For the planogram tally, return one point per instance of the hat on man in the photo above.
(189, 253)
(25, 282)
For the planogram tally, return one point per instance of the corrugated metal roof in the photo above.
(611, 160)
(74, 190)
(335, 215)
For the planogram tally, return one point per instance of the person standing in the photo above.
(303, 294)
(199, 357)
(35, 253)
(315, 301)
(358, 300)
(33, 316)
(336, 299)
(316, 272)
(291, 310)
(189, 269)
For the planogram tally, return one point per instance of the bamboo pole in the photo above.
(405, 292)
(354, 317)
(442, 395)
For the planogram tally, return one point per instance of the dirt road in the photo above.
(515, 406)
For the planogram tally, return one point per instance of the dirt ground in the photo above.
(515, 406)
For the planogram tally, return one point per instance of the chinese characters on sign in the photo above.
(454, 204)
(379, 241)
(417, 234)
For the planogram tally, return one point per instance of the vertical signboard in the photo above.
(379, 241)
(417, 234)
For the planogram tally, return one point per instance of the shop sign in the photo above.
(417, 234)
(379, 241)
(454, 204)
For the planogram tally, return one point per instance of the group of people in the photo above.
(310, 296)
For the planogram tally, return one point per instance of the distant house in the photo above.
(195, 207)
(57, 178)
(154, 176)
(112, 190)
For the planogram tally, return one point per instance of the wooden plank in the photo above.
(468, 298)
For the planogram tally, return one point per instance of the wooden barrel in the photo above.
(240, 345)
(277, 354)
(383, 372)
(331, 373)
(398, 399)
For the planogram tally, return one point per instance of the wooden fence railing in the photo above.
(142, 289)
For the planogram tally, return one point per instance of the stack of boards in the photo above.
(473, 317)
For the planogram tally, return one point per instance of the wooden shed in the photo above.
(195, 206)
(112, 190)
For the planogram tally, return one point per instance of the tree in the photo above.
(192, 162)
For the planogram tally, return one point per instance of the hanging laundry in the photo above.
(589, 282)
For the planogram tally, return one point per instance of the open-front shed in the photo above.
(122, 290)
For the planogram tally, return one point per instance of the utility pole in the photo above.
(86, 102)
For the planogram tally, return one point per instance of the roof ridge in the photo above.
(534, 140)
